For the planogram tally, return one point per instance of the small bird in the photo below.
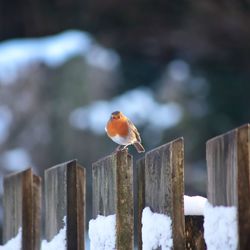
(122, 131)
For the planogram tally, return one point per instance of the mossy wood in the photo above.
(113, 194)
(65, 192)
(228, 165)
(164, 186)
(22, 208)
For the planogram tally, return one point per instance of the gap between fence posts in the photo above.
(140, 197)
(194, 232)
(113, 194)
(65, 192)
(228, 164)
(22, 208)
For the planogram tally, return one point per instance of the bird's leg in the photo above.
(124, 148)
(119, 148)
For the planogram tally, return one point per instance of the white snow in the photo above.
(136, 104)
(14, 243)
(156, 230)
(18, 54)
(102, 233)
(220, 227)
(58, 242)
(194, 205)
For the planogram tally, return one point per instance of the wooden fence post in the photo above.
(228, 165)
(163, 183)
(113, 194)
(65, 191)
(22, 208)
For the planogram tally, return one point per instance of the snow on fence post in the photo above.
(22, 208)
(164, 186)
(65, 192)
(113, 194)
(228, 164)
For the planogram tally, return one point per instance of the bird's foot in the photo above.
(121, 148)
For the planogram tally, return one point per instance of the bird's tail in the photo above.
(139, 147)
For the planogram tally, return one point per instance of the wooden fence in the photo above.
(159, 184)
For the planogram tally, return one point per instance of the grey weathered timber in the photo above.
(65, 192)
(164, 186)
(113, 194)
(22, 208)
(194, 233)
(228, 165)
(140, 196)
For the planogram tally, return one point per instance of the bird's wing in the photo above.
(134, 129)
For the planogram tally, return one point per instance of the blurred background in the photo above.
(176, 68)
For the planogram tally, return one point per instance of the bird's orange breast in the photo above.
(117, 127)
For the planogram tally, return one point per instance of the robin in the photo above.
(122, 131)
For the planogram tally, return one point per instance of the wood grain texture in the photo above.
(55, 185)
(228, 164)
(76, 196)
(104, 186)
(125, 202)
(140, 196)
(22, 206)
(194, 233)
(65, 190)
(164, 186)
(36, 211)
(243, 162)
(113, 194)
(222, 170)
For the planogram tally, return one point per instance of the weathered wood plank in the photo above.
(125, 202)
(141, 197)
(37, 206)
(194, 233)
(22, 206)
(222, 169)
(164, 186)
(76, 193)
(228, 164)
(65, 189)
(104, 186)
(113, 194)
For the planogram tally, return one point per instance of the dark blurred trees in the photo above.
(211, 36)
(204, 32)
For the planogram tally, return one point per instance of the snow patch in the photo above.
(194, 205)
(102, 232)
(220, 227)
(18, 54)
(14, 243)
(136, 104)
(156, 230)
(59, 240)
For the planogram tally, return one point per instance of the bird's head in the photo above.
(116, 115)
